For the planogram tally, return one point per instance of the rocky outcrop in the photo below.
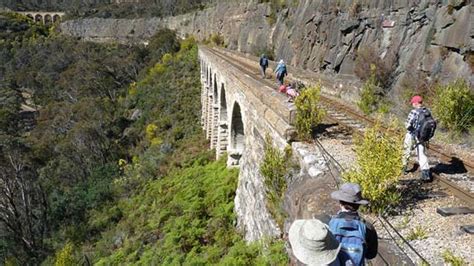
(421, 39)
(115, 30)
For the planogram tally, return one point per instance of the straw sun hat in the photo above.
(312, 242)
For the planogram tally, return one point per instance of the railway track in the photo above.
(347, 116)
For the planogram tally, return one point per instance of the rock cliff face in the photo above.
(421, 40)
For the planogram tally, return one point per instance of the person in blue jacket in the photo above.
(281, 72)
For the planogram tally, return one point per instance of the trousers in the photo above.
(420, 148)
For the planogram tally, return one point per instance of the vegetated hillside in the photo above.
(115, 169)
(110, 8)
(52, 174)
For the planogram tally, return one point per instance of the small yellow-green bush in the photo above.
(452, 259)
(217, 39)
(65, 256)
(378, 166)
(308, 113)
(370, 95)
(453, 106)
(417, 233)
(275, 168)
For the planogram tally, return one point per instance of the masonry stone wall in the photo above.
(237, 113)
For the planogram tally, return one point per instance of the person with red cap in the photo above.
(411, 142)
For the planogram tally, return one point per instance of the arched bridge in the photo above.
(238, 112)
(44, 17)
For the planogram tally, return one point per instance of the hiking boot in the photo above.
(425, 175)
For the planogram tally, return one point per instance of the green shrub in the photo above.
(452, 259)
(275, 168)
(263, 49)
(368, 63)
(308, 113)
(185, 218)
(217, 39)
(378, 166)
(417, 233)
(370, 95)
(453, 106)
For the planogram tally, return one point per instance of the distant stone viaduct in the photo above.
(44, 17)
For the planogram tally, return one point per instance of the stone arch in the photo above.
(38, 18)
(222, 140)
(237, 136)
(204, 94)
(30, 16)
(210, 113)
(215, 89)
(210, 77)
(223, 105)
(56, 18)
(48, 19)
(215, 114)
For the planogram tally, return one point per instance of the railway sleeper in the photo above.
(448, 211)
(468, 228)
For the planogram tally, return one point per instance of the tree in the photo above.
(23, 206)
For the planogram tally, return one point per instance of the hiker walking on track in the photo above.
(358, 238)
(263, 64)
(281, 72)
(420, 127)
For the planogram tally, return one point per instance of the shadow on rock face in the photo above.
(311, 198)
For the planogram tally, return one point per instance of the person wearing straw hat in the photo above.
(358, 238)
(313, 243)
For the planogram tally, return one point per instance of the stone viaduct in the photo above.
(237, 113)
(44, 17)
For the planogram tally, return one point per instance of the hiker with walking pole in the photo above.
(420, 127)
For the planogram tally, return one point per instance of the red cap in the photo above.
(416, 99)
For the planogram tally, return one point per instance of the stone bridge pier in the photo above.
(237, 113)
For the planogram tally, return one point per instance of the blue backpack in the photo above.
(281, 71)
(351, 235)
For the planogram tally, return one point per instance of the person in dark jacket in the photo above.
(263, 64)
(350, 199)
